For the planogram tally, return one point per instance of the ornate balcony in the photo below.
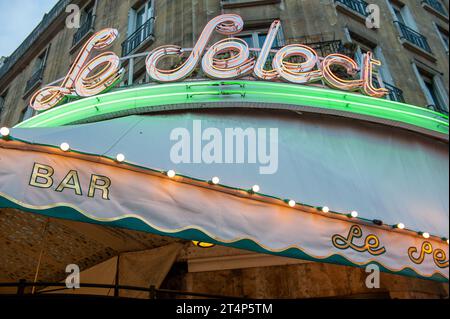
(395, 94)
(413, 37)
(437, 6)
(358, 6)
(144, 32)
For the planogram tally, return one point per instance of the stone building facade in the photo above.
(411, 42)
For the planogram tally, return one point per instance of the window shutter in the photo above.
(131, 21)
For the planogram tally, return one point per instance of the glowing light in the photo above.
(171, 173)
(292, 203)
(426, 235)
(215, 180)
(4, 131)
(79, 79)
(120, 158)
(325, 209)
(379, 110)
(354, 214)
(202, 244)
(256, 188)
(238, 64)
(400, 226)
(367, 76)
(336, 82)
(299, 73)
(226, 24)
(259, 71)
(64, 147)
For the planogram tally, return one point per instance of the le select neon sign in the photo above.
(234, 63)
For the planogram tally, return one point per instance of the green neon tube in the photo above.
(155, 97)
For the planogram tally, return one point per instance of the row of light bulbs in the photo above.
(120, 158)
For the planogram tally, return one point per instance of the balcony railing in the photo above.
(35, 79)
(230, 4)
(144, 32)
(356, 5)
(324, 48)
(437, 6)
(437, 108)
(395, 94)
(83, 30)
(413, 37)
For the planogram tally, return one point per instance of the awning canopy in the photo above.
(385, 173)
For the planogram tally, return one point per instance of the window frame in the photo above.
(149, 7)
(405, 12)
(3, 97)
(439, 88)
(441, 31)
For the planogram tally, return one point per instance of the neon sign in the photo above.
(226, 59)
(79, 80)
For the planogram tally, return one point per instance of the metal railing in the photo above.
(246, 3)
(356, 5)
(436, 5)
(413, 37)
(325, 48)
(153, 292)
(438, 109)
(144, 32)
(48, 19)
(395, 94)
(34, 79)
(84, 29)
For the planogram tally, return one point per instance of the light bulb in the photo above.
(325, 209)
(354, 214)
(426, 235)
(171, 173)
(65, 147)
(120, 158)
(4, 131)
(215, 180)
(447, 241)
(292, 203)
(255, 188)
(400, 226)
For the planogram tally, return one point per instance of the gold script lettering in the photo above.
(371, 242)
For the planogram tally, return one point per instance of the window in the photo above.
(402, 14)
(86, 24)
(383, 78)
(26, 113)
(407, 27)
(433, 89)
(436, 7)
(256, 38)
(443, 35)
(2, 102)
(140, 26)
(140, 77)
(37, 71)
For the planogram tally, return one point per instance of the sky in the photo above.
(17, 19)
